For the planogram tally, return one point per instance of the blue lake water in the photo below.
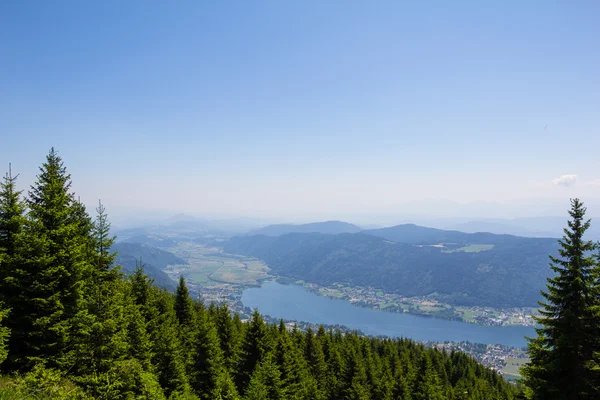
(293, 302)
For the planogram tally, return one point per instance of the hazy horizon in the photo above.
(300, 112)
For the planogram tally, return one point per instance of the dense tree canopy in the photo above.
(508, 275)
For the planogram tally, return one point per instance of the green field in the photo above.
(209, 267)
(511, 369)
(472, 248)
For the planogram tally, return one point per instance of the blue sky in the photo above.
(290, 109)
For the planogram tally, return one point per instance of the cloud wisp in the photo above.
(565, 180)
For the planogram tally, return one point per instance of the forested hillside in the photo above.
(420, 235)
(74, 327)
(154, 260)
(501, 276)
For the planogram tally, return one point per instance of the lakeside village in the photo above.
(425, 305)
(500, 358)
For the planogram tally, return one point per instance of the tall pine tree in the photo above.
(561, 353)
(12, 208)
(48, 313)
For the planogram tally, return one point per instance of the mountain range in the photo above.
(327, 227)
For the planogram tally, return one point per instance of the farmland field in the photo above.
(211, 267)
(472, 248)
(511, 369)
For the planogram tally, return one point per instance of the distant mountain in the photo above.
(328, 227)
(498, 228)
(404, 259)
(155, 260)
(151, 240)
(415, 234)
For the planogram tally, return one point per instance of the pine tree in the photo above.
(265, 382)
(255, 346)
(185, 312)
(595, 324)
(105, 295)
(140, 286)
(48, 314)
(313, 353)
(4, 333)
(12, 220)
(210, 377)
(104, 258)
(12, 208)
(184, 306)
(138, 339)
(561, 353)
(230, 336)
(428, 384)
(291, 366)
(168, 358)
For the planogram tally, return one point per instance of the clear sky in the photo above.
(290, 108)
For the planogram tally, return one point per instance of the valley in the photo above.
(216, 272)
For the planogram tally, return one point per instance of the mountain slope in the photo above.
(415, 234)
(327, 227)
(155, 260)
(509, 274)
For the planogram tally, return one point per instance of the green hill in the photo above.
(155, 261)
(471, 269)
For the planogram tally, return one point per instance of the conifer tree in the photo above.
(48, 313)
(4, 333)
(255, 346)
(561, 352)
(104, 258)
(291, 366)
(140, 286)
(315, 357)
(265, 382)
(138, 339)
(185, 311)
(12, 208)
(106, 340)
(210, 377)
(184, 306)
(428, 385)
(230, 336)
(168, 358)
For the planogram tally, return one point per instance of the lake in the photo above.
(293, 302)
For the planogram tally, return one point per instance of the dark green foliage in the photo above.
(103, 243)
(265, 382)
(4, 335)
(140, 345)
(230, 336)
(562, 352)
(292, 367)
(256, 345)
(210, 377)
(168, 353)
(511, 274)
(12, 221)
(184, 306)
(49, 314)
